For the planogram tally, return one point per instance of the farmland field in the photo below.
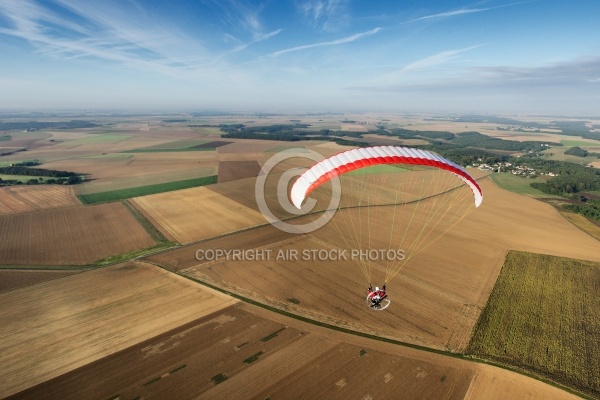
(198, 213)
(237, 351)
(582, 223)
(518, 184)
(558, 153)
(87, 316)
(70, 236)
(580, 143)
(233, 170)
(17, 199)
(116, 195)
(11, 279)
(544, 316)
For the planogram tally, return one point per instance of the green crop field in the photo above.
(117, 195)
(5, 138)
(558, 154)
(95, 139)
(543, 316)
(378, 169)
(111, 156)
(25, 178)
(580, 143)
(518, 184)
(157, 150)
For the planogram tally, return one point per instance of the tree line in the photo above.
(35, 125)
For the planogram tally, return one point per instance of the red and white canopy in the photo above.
(353, 159)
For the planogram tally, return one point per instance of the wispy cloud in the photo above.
(328, 15)
(447, 14)
(461, 11)
(434, 60)
(110, 31)
(347, 39)
(240, 14)
(581, 71)
(575, 74)
(439, 58)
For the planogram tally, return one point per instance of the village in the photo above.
(522, 170)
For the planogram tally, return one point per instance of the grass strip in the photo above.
(154, 233)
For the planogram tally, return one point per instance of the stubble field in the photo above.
(198, 213)
(54, 327)
(19, 199)
(70, 236)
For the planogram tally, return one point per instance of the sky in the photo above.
(294, 56)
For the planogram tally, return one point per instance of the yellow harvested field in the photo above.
(55, 327)
(198, 213)
(24, 198)
(496, 383)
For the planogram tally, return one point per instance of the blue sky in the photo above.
(497, 56)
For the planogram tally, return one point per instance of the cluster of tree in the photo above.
(72, 180)
(476, 139)
(579, 152)
(287, 137)
(590, 209)
(466, 156)
(412, 134)
(35, 125)
(31, 163)
(21, 170)
(477, 118)
(328, 132)
(289, 133)
(70, 177)
(269, 129)
(576, 128)
(572, 178)
(174, 120)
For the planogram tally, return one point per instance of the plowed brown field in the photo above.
(233, 170)
(54, 327)
(14, 279)
(17, 199)
(70, 236)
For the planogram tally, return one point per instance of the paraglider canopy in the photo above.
(354, 159)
